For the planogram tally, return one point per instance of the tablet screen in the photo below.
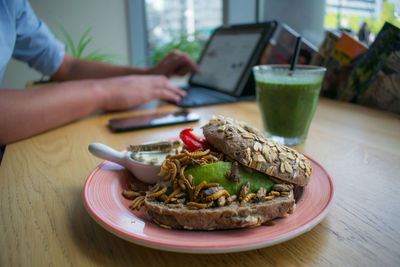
(225, 59)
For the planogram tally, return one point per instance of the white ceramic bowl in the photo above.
(144, 172)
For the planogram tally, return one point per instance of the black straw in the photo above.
(296, 54)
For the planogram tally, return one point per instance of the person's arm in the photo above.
(77, 69)
(175, 63)
(24, 113)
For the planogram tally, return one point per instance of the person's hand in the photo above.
(175, 63)
(130, 91)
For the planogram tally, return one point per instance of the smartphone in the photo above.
(152, 120)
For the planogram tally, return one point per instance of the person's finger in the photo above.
(180, 59)
(175, 89)
(182, 71)
(164, 83)
(189, 61)
(162, 93)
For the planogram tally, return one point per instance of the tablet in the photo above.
(226, 62)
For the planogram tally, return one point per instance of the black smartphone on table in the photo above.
(152, 120)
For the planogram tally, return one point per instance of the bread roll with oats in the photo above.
(239, 179)
(250, 148)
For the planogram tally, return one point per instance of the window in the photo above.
(180, 24)
(349, 15)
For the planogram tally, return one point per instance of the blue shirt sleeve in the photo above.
(35, 44)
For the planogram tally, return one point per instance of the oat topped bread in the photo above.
(249, 147)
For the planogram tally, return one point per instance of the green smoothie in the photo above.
(287, 100)
(287, 109)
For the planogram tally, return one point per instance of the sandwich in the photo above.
(232, 178)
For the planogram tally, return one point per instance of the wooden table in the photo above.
(43, 221)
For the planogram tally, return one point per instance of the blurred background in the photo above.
(141, 32)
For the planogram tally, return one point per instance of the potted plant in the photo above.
(77, 51)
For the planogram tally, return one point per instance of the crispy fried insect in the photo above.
(164, 169)
(173, 171)
(170, 175)
(154, 188)
(163, 197)
(205, 192)
(188, 185)
(130, 194)
(274, 193)
(210, 158)
(189, 188)
(191, 179)
(181, 184)
(197, 153)
(217, 195)
(269, 223)
(230, 199)
(282, 187)
(137, 203)
(159, 192)
(132, 187)
(181, 194)
(247, 198)
(261, 193)
(269, 197)
(172, 195)
(176, 156)
(196, 205)
(244, 190)
(178, 165)
(185, 159)
(165, 226)
(182, 172)
(211, 185)
(196, 162)
(221, 201)
(198, 188)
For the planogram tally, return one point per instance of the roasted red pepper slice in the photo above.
(191, 141)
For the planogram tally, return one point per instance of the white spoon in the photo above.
(144, 172)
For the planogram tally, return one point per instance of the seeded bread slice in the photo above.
(250, 148)
(227, 217)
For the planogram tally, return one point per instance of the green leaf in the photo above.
(84, 35)
(97, 55)
(83, 42)
(70, 43)
(82, 45)
(182, 43)
(78, 50)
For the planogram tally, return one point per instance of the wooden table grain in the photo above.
(43, 221)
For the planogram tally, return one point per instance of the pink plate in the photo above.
(104, 202)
